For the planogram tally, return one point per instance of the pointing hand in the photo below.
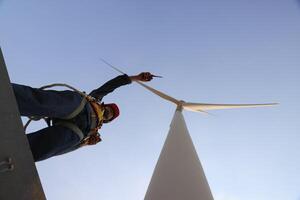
(144, 76)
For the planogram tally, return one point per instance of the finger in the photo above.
(156, 76)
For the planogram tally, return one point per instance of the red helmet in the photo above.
(116, 111)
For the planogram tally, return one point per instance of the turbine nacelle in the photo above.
(180, 105)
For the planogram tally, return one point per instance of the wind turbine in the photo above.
(178, 173)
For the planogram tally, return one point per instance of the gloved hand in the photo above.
(144, 76)
(91, 140)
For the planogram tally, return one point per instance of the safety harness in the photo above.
(97, 112)
(93, 137)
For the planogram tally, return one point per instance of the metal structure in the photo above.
(19, 179)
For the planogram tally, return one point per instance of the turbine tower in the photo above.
(178, 173)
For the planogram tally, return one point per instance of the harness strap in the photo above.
(82, 103)
(77, 110)
(96, 116)
(62, 85)
(93, 136)
(98, 112)
(71, 126)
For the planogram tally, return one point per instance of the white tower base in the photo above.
(178, 174)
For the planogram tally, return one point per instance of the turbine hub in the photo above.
(180, 105)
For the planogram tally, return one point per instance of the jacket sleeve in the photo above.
(110, 86)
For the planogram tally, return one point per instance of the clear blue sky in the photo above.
(233, 51)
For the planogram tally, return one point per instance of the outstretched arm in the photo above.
(119, 81)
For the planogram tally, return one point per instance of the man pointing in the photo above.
(73, 119)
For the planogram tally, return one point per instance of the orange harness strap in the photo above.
(93, 136)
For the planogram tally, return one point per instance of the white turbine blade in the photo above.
(206, 106)
(162, 95)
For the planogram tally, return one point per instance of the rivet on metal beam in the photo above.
(6, 165)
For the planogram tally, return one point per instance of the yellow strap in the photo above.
(99, 110)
